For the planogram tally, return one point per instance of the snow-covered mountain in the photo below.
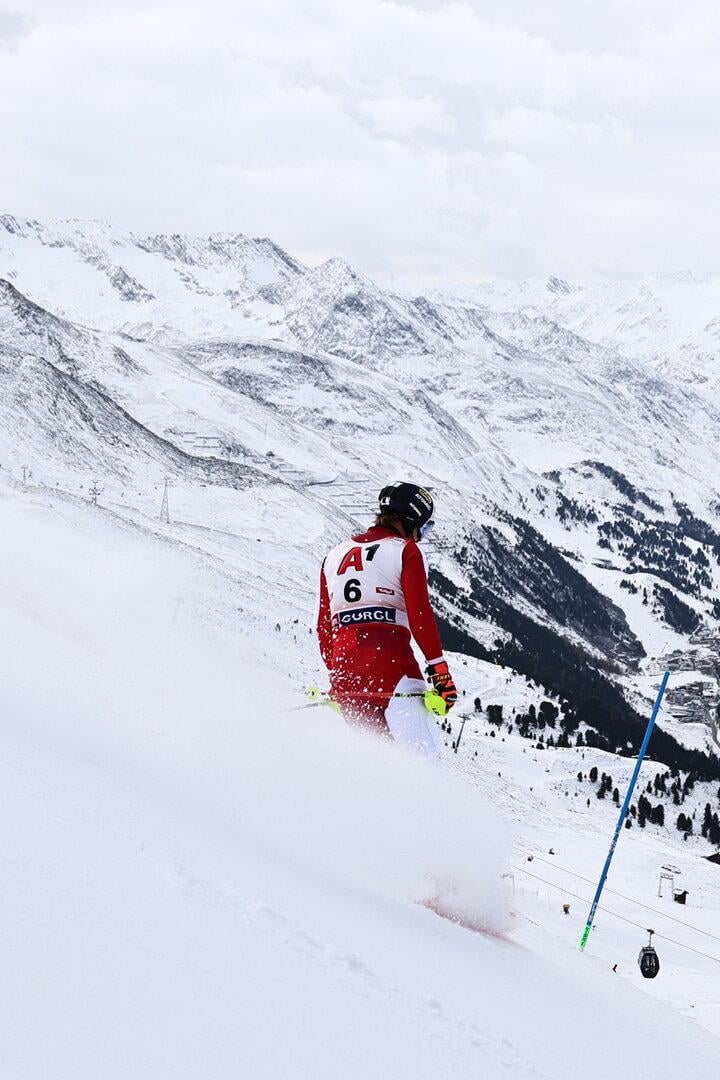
(574, 464)
(668, 320)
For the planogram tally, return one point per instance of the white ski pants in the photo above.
(409, 721)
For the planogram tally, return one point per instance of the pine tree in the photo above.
(495, 714)
(707, 820)
(644, 811)
(714, 831)
(548, 713)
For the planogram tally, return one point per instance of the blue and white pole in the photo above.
(624, 810)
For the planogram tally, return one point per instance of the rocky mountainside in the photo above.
(568, 434)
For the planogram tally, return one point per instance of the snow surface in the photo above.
(202, 881)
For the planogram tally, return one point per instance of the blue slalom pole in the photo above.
(624, 810)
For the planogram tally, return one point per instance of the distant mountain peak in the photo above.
(339, 270)
(11, 225)
(559, 285)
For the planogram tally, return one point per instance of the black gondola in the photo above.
(648, 959)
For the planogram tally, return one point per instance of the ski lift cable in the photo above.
(615, 915)
(638, 903)
(623, 918)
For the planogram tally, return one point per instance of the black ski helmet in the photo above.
(412, 504)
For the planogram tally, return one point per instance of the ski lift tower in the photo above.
(165, 508)
(668, 873)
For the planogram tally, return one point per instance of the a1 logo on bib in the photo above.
(353, 559)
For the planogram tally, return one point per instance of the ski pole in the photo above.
(434, 703)
(623, 811)
(322, 697)
(362, 694)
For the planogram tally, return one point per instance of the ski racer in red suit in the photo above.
(373, 599)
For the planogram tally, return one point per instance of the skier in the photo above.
(373, 598)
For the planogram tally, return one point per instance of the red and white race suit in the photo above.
(373, 599)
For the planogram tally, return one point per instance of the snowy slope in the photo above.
(197, 884)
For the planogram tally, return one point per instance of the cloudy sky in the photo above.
(423, 140)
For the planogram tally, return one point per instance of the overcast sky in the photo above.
(420, 139)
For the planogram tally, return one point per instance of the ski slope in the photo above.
(201, 881)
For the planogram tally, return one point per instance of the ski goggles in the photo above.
(426, 528)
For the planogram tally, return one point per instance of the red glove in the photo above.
(442, 682)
